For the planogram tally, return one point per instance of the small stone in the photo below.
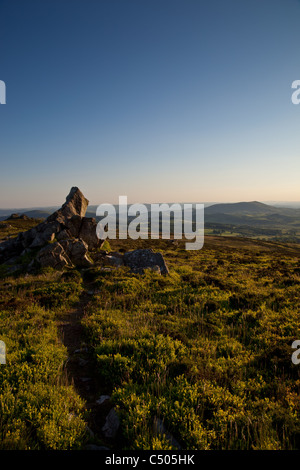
(160, 429)
(83, 362)
(82, 350)
(112, 424)
(102, 399)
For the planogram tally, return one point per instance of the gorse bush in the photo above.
(37, 410)
(198, 359)
(206, 350)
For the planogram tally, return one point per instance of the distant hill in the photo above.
(241, 208)
(250, 208)
(32, 214)
(251, 213)
(254, 220)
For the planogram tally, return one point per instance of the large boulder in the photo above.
(73, 225)
(53, 256)
(88, 233)
(113, 260)
(44, 233)
(139, 260)
(65, 253)
(77, 251)
(10, 248)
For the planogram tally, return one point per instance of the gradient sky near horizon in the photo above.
(159, 100)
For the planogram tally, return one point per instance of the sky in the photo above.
(158, 100)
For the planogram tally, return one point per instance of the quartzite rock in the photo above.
(64, 224)
(111, 425)
(88, 233)
(53, 256)
(139, 260)
(73, 225)
(76, 204)
(77, 250)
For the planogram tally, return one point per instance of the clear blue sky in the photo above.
(159, 100)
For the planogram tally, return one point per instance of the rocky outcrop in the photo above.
(64, 238)
(18, 216)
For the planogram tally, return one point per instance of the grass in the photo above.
(11, 227)
(205, 350)
(39, 409)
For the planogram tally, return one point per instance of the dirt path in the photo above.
(81, 367)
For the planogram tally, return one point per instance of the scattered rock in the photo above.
(4, 225)
(91, 433)
(82, 362)
(139, 260)
(112, 424)
(82, 350)
(102, 399)
(14, 269)
(93, 292)
(160, 428)
(18, 216)
(99, 256)
(116, 261)
(155, 269)
(13, 260)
